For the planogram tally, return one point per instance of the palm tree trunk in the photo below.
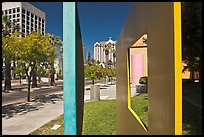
(7, 85)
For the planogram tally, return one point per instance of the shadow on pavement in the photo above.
(10, 110)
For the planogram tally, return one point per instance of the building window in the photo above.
(18, 20)
(18, 9)
(28, 13)
(32, 15)
(23, 25)
(43, 21)
(28, 18)
(23, 20)
(14, 15)
(28, 22)
(6, 12)
(39, 19)
(18, 15)
(32, 20)
(9, 11)
(23, 11)
(9, 16)
(14, 10)
(23, 16)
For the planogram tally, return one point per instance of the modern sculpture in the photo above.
(73, 71)
(161, 21)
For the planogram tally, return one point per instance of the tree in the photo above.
(89, 59)
(192, 36)
(18, 70)
(107, 48)
(54, 43)
(92, 72)
(7, 48)
(33, 51)
(114, 56)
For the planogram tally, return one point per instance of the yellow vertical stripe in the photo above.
(128, 79)
(178, 68)
(129, 96)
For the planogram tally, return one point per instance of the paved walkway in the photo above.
(23, 118)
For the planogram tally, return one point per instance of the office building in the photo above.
(27, 17)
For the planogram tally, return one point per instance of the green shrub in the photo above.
(143, 80)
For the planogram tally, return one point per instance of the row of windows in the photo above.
(29, 14)
(32, 24)
(10, 11)
(14, 16)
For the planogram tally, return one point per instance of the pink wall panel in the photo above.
(137, 68)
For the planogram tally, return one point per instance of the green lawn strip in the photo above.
(100, 118)
(140, 106)
(46, 129)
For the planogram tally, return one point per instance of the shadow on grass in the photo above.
(192, 115)
(192, 119)
(8, 111)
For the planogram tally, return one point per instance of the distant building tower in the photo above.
(27, 17)
(104, 51)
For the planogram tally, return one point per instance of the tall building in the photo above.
(100, 53)
(27, 17)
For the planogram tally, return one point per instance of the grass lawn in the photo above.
(139, 105)
(100, 117)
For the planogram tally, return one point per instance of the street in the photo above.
(17, 96)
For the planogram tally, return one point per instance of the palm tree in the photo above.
(106, 48)
(114, 56)
(6, 26)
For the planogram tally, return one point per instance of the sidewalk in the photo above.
(22, 119)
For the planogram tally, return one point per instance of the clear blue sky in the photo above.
(98, 20)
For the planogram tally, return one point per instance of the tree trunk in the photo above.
(52, 82)
(20, 79)
(39, 79)
(92, 81)
(7, 85)
(34, 79)
(14, 65)
(192, 75)
(52, 79)
(28, 97)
